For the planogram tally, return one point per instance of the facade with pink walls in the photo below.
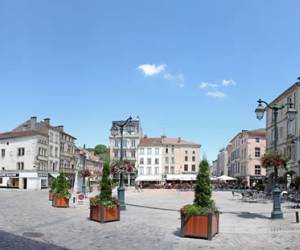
(245, 151)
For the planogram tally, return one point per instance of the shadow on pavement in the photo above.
(10, 241)
(178, 233)
(247, 215)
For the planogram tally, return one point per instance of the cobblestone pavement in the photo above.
(151, 221)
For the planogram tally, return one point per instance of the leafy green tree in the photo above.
(105, 184)
(203, 191)
(102, 151)
(62, 186)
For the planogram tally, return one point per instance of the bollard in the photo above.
(297, 217)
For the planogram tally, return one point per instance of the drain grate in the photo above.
(33, 235)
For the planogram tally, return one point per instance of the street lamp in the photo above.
(83, 172)
(118, 128)
(291, 113)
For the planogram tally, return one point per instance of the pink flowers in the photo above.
(274, 159)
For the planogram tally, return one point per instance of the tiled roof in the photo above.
(9, 135)
(166, 141)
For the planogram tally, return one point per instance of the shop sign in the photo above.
(9, 175)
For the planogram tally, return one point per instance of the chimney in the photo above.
(47, 121)
(60, 128)
(179, 139)
(33, 122)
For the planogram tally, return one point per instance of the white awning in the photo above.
(148, 178)
(181, 177)
(54, 175)
(226, 178)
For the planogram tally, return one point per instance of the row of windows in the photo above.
(149, 151)
(125, 153)
(167, 170)
(117, 143)
(20, 152)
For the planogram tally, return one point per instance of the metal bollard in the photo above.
(297, 217)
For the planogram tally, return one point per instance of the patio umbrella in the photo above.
(226, 178)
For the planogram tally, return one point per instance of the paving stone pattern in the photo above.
(151, 221)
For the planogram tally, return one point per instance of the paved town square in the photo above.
(151, 221)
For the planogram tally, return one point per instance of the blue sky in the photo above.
(86, 63)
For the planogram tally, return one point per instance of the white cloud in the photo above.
(217, 94)
(204, 85)
(227, 83)
(179, 79)
(152, 69)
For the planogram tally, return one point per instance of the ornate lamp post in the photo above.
(83, 177)
(117, 129)
(260, 110)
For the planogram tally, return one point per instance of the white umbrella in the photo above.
(226, 178)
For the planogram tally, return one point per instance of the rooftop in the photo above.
(166, 141)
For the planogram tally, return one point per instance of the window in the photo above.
(186, 152)
(194, 158)
(156, 171)
(148, 170)
(21, 151)
(149, 161)
(257, 170)
(172, 149)
(116, 153)
(51, 151)
(142, 151)
(167, 150)
(125, 143)
(132, 153)
(133, 143)
(186, 167)
(2, 152)
(116, 143)
(124, 154)
(20, 165)
(142, 161)
(257, 140)
(257, 152)
(193, 168)
(194, 152)
(186, 158)
(156, 161)
(173, 160)
(157, 151)
(167, 160)
(142, 171)
(56, 151)
(149, 151)
(166, 170)
(1, 181)
(172, 170)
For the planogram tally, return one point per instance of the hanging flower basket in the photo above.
(86, 173)
(274, 159)
(123, 166)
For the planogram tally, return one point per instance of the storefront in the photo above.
(24, 180)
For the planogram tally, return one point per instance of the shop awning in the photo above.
(181, 177)
(148, 178)
(54, 175)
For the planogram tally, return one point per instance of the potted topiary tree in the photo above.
(201, 219)
(51, 191)
(103, 208)
(61, 192)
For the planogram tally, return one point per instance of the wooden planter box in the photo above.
(60, 202)
(104, 214)
(51, 194)
(200, 226)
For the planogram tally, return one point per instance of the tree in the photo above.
(102, 151)
(203, 191)
(62, 186)
(105, 184)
